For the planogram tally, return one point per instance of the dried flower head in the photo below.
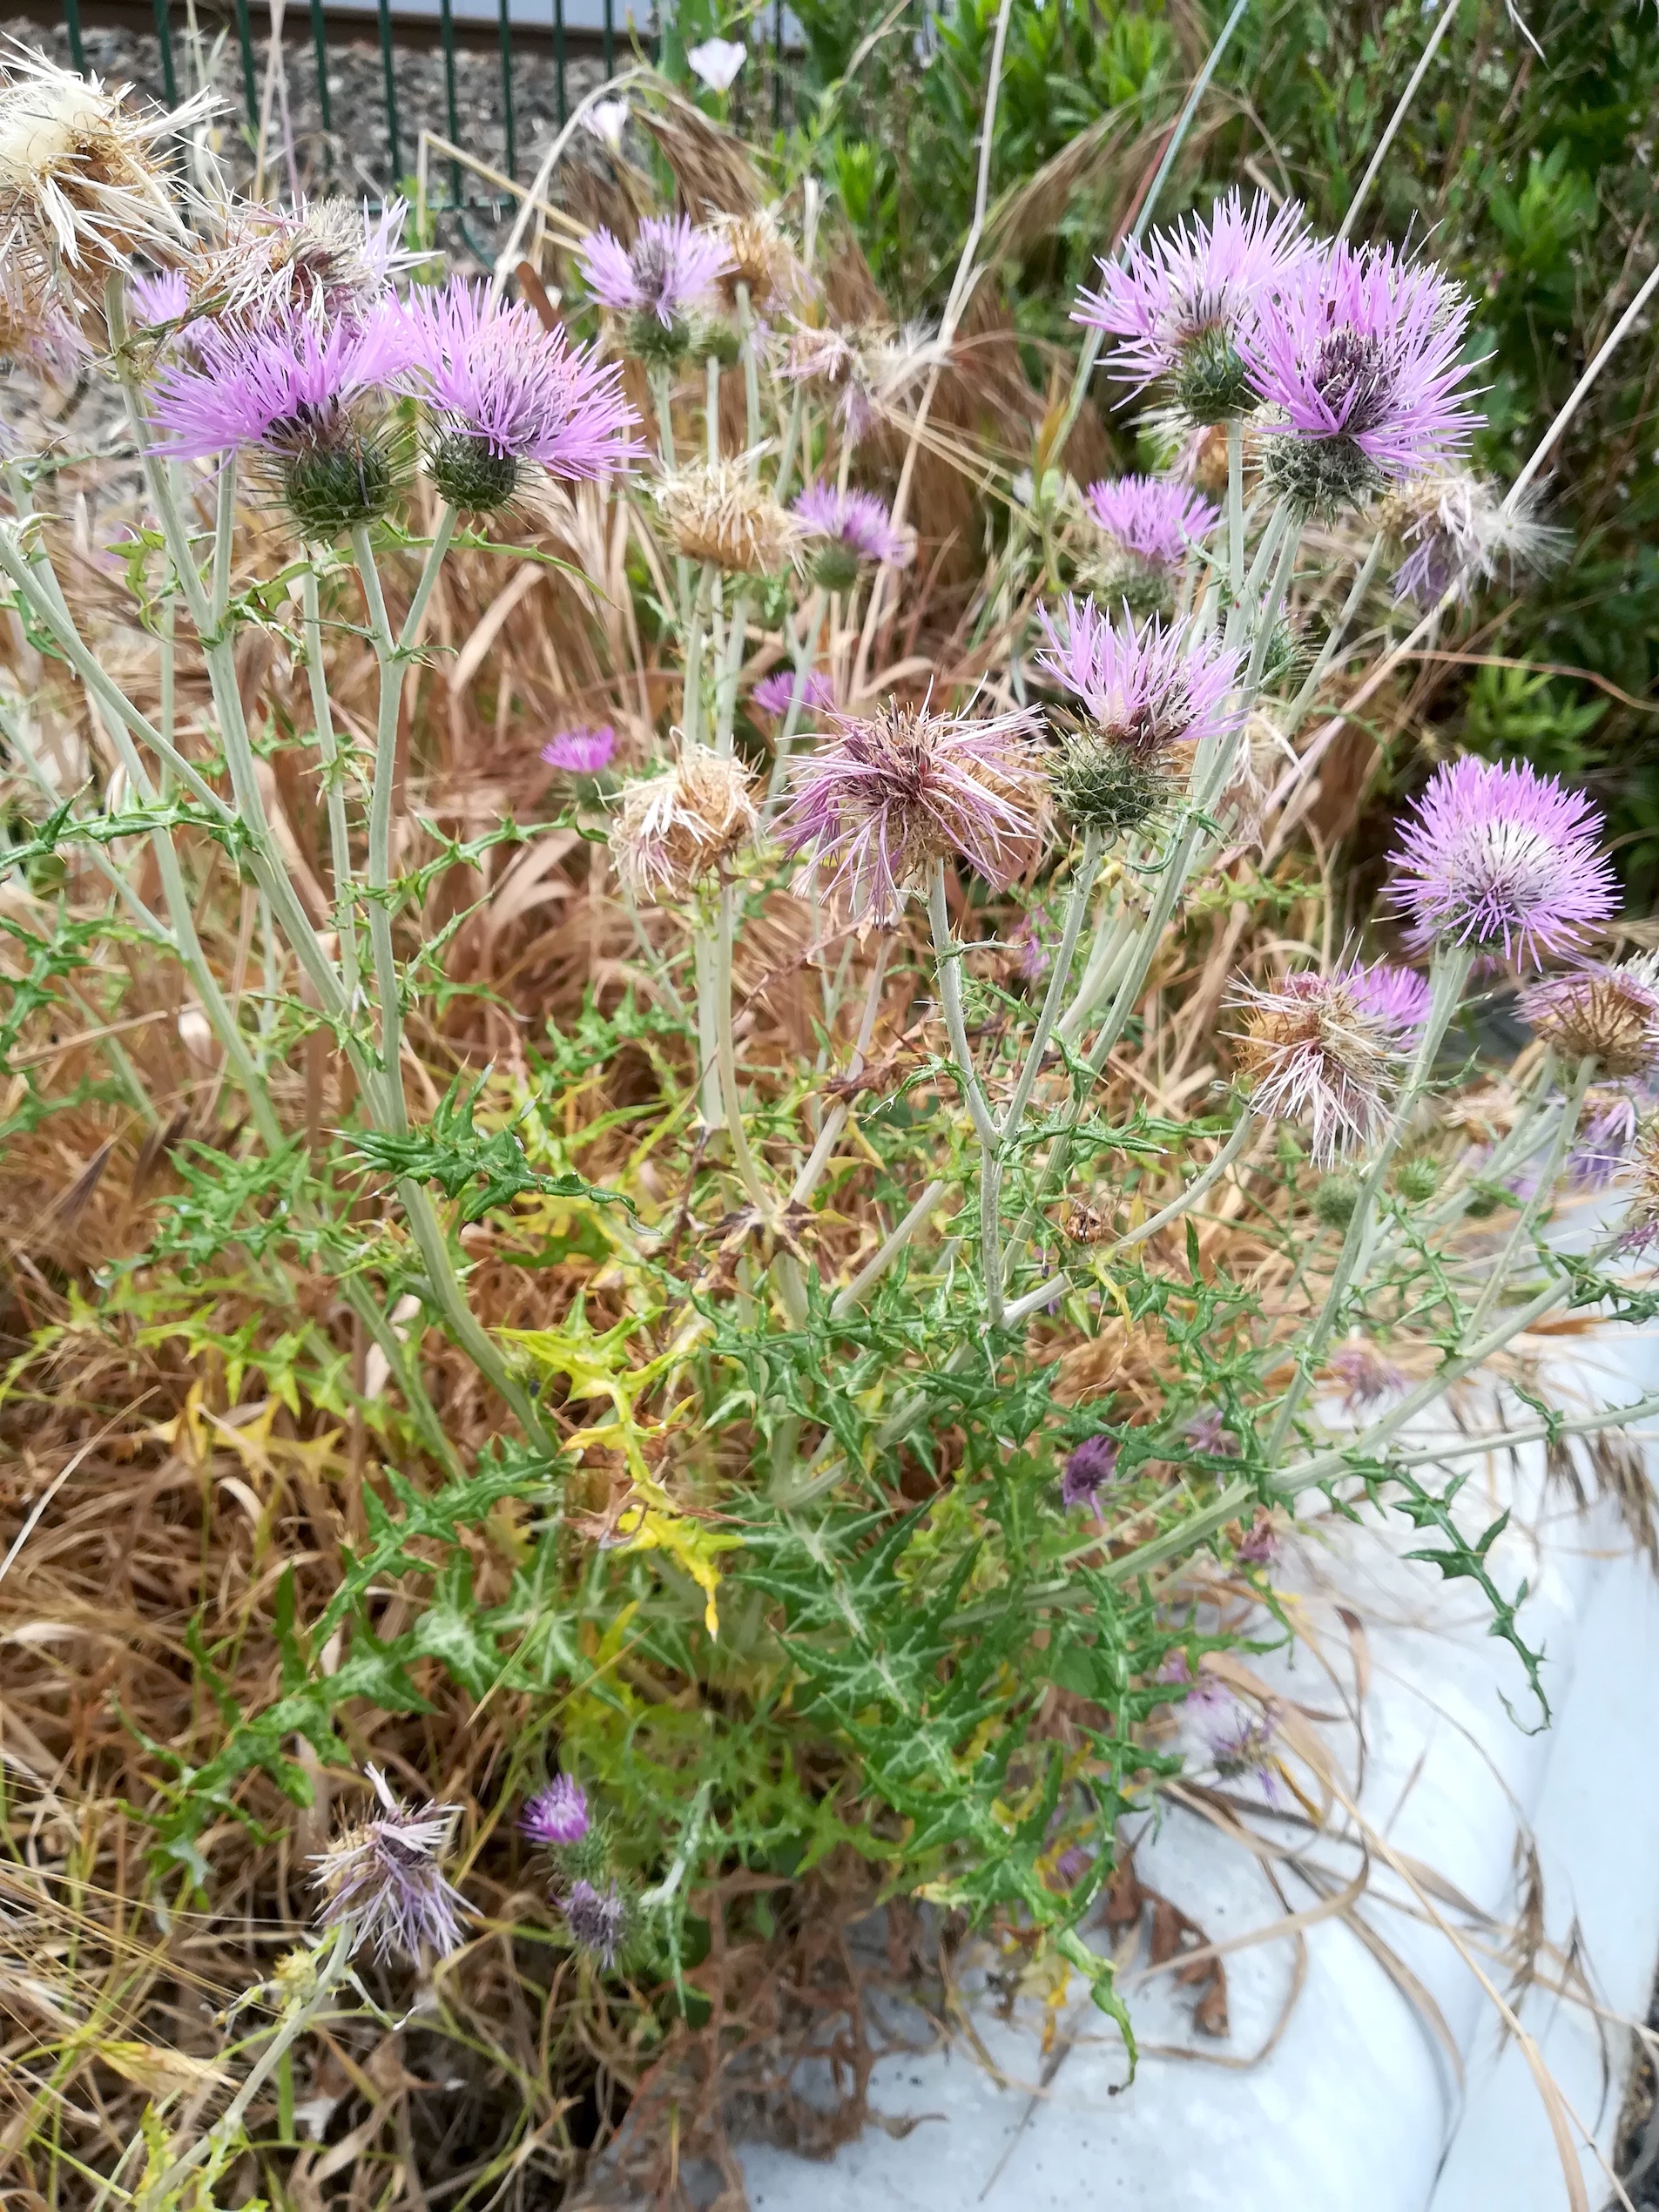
(1309, 1052)
(1367, 1377)
(1155, 519)
(1606, 1013)
(510, 394)
(1182, 305)
(557, 1814)
(1144, 690)
(775, 694)
(1259, 1545)
(1087, 1472)
(597, 1920)
(34, 328)
(1495, 856)
(307, 400)
(82, 186)
(674, 829)
(1456, 531)
(1360, 366)
(884, 797)
(383, 1879)
(762, 260)
(657, 283)
(331, 258)
(869, 369)
(582, 752)
(714, 512)
(848, 531)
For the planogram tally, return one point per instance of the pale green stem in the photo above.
(378, 884)
(691, 698)
(333, 787)
(791, 443)
(725, 699)
(835, 1121)
(1447, 981)
(1497, 1271)
(1060, 975)
(1335, 638)
(662, 392)
(877, 1266)
(1195, 1191)
(1236, 507)
(224, 540)
(705, 963)
(947, 956)
(711, 408)
(751, 379)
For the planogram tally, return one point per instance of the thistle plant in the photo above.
(818, 1328)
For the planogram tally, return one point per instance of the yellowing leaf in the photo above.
(691, 1544)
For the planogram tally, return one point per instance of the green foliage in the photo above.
(453, 1152)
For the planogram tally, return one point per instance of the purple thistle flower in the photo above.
(1240, 1743)
(162, 297)
(773, 695)
(596, 1919)
(582, 752)
(1396, 999)
(384, 1882)
(1310, 1052)
(1496, 856)
(557, 1814)
(1034, 959)
(1088, 1471)
(847, 530)
(1142, 684)
(884, 798)
(1608, 1013)
(1182, 305)
(276, 386)
(511, 392)
(1604, 1142)
(1259, 1545)
(1208, 1433)
(1155, 519)
(1366, 1378)
(1360, 359)
(670, 271)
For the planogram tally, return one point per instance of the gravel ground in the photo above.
(355, 156)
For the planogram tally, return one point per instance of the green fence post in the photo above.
(77, 51)
(507, 87)
(447, 32)
(164, 41)
(558, 57)
(391, 93)
(611, 37)
(250, 69)
(319, 44)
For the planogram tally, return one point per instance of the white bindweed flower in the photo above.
(607, 119)
(717, 61)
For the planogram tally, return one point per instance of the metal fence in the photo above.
(598, 34)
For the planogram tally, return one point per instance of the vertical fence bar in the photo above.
(320, 47)
(452, 121)
(778, 65)
(164, 41)
(507, 89)
(76, 50)
(558, 57)
(250, 67)
(611, 37)
(389, 65)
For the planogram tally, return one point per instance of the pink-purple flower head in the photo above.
(1395, 998)
(509, 394)
(667, 274)
(582, 752)
(1502, 859)
(1604, 1142)
(1367, 1377)
(157, 297)
(848, 530)
(1310, 1052)
(775, 694)
(557, 1814)
(1155, 519)
(383, 1880)
(597, 1919)
(307, 400)
(1087, 1472)
(1360, 364)
(885, 797)
(1142, 689)
(1181, 306)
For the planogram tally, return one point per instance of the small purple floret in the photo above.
(582, 752)
(773, 695)
(1155, 518)
(671, 267)
(1087, 1472)
(260, 388)
(557, 1814)
(596, 1919)
(857, 521)
(1498, 856)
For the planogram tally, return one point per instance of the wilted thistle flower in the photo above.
(582, 752)
(775, 694)
(510, 394)
(1259, 1545)
(82, 186)
(384, 1881)
(1456, 532)
(305, 400)
(846, 531)
(1309, 1052)
(557, 1814)
(884, 797)
(1367, 1377)
(1359, 364)
(1606, 1013)
(329, 259)
(1181, 305)
(1241, 1744)
(869, 370)
(34, 327)
(1604, 1141)
(1144, 690)
(1087, 1472)
(674, 829)
(1208, 1433)
(1495, 856)
(761, 259)
(597, 1920)
(659, 283)
(713, 512)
